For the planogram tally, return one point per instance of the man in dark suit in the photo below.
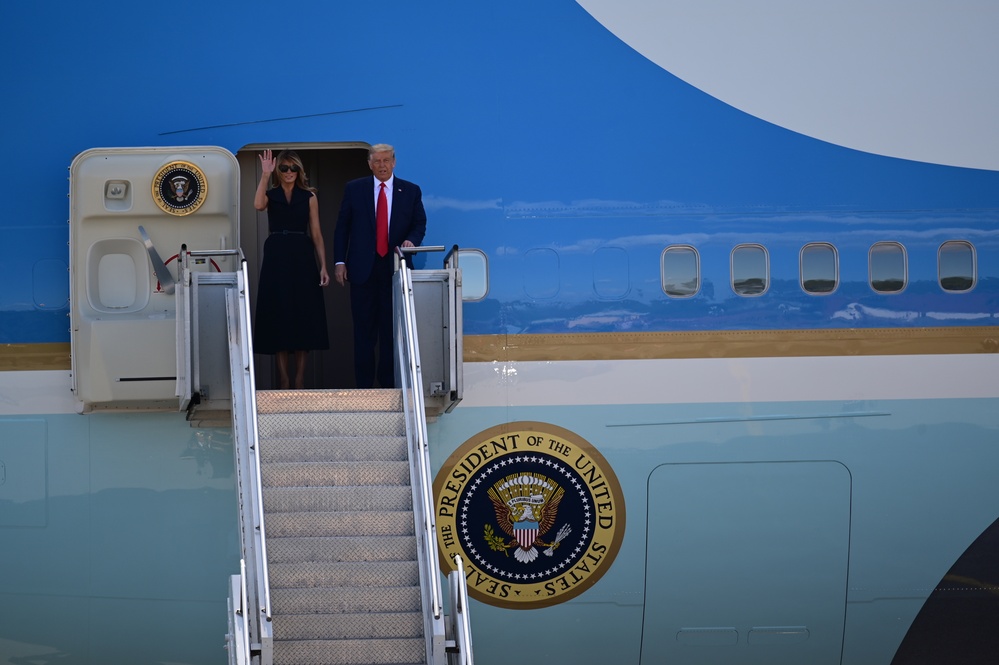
(362, 251)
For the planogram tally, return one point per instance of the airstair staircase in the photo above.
(341, 543)
(340, 561)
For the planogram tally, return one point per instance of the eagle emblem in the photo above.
(526, 507)
(179, 188)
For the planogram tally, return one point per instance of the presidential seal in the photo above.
(179, 188)
(535, 512)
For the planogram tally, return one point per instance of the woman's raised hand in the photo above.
(267, 162)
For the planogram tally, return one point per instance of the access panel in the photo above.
(747, 563)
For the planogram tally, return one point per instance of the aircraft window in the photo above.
(681, 271)
(750, 270)
(887, 266)
(819, 268)
(541, 279)
(474, 274)
(610, 272)
(956, 266)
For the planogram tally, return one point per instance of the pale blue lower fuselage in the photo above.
(845, 499)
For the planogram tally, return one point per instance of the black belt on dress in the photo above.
(284, 233)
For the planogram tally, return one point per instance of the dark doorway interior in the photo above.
(329, 167)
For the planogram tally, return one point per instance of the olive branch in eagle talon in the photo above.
(495, 543)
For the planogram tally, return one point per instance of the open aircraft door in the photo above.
(131, 211)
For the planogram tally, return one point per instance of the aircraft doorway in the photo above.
(329, 166)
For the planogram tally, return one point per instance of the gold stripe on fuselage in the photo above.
(34, 357)
(732, 344)
(653, 345)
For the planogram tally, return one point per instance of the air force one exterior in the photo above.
(730, 319)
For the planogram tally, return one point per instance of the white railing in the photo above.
(238, 639)
(410, 376)
(410, 379)
(461, 626)
(250, 605)
(244, 412)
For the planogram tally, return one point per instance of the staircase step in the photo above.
(305, 401)
(334, 449)
(362, 523)
(369, 625)
(341, 544)
(350, 652)
(377, 423)
(328, 474)
(337, 499)
(352, 600)
(383, 548)
(343, 574)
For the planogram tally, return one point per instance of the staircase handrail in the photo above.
(250, 384)
(244, 611)
(256, 584)
(421, 449)
(461, 627)
(411, 373)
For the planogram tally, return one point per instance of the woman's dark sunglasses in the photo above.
(284, 168)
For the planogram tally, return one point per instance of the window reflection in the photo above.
(750, 270)
(956, 266)
(887, 266)
(680, 271)
(819, 268)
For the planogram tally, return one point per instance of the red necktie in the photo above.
(381, 223)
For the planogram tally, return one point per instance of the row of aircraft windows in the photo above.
(818, 269)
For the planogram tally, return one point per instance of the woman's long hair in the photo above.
(290, 156)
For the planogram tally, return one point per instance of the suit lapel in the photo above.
(398, 203)
(397, 198)
(369, 201)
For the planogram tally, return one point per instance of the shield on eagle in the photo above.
(526, 506)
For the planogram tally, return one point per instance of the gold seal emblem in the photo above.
(535, 512)
(179, 188)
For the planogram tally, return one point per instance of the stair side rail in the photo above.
(251, 631)
(460, 624)
(410, 379)
(244, 414)
(241, 614)
(238, 639)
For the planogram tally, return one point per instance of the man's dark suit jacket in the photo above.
(354, 236)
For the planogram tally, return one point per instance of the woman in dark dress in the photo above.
(291, 314)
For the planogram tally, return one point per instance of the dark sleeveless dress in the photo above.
(291, 313)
